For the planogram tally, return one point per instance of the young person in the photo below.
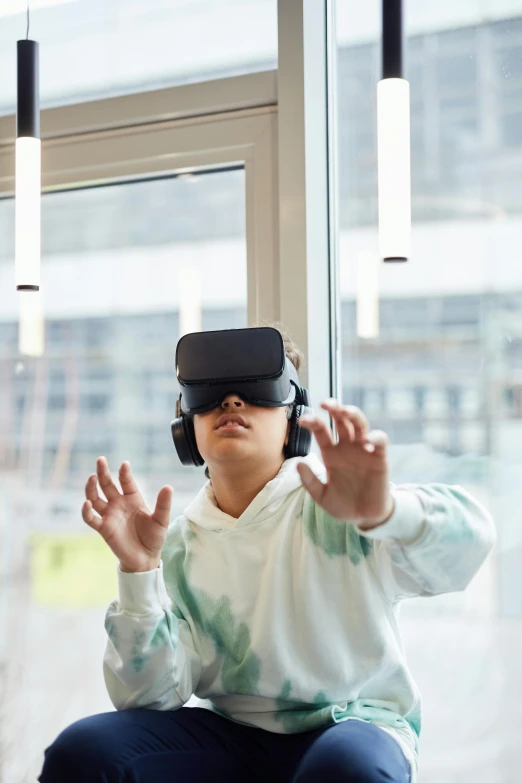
(274, 599)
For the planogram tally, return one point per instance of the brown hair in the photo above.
(292, 352)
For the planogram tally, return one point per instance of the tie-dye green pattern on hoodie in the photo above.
(286, 618)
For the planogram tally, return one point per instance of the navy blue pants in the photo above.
(194, 744)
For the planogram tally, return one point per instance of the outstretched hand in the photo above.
(357, 484)
(135, 535)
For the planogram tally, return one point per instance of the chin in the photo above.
(236, 453)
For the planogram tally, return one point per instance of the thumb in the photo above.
(311, 483)
(162, 511)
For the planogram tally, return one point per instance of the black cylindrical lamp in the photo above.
(393, 140)
(27, 200)
(28, 169)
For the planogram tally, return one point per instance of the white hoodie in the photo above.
(286, 618)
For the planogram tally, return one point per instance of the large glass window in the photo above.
(98, 48)
(126, 270)
(442, 372)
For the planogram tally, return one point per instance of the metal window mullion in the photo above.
(262, 225)
(307, 239)
(332, 152)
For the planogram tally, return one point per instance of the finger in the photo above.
(345, 415)
(90, 517)
(91, 493)
(127, 481)
(162, 511)
(344, 428)
(376, 442)
(105, 479)
(322, 432)
(358, 420)
(311, 482)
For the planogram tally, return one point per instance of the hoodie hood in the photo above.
(204, 511)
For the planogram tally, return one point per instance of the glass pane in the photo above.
(125, 270)
(442, 374)
(98, 48)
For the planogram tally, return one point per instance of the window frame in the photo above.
(207, 132)
(278, 124)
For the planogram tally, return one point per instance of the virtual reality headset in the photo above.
(250, 362)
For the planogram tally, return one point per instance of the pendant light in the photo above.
(27, 197)
(189, 287)
(393, 140)
(367, 294)
(31, 333)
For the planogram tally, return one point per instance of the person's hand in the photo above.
(134, 534)
(357, 485)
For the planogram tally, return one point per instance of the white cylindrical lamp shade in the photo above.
(31, 329)
(367, 294)
(27, 213)
(189, 287)
(394, 169)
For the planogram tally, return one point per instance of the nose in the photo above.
(232, 400)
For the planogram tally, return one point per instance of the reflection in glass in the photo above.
(121, 269)
(442, 376)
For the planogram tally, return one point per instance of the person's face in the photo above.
(262, 438)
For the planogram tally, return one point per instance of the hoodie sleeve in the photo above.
(435, 541)
(149, 660)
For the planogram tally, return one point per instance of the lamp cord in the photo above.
(27, 34)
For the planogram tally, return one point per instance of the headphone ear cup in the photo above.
(299, 438)
(184, 439)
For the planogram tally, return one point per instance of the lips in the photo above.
(230, 417)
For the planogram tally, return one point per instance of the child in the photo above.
(274, 599)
